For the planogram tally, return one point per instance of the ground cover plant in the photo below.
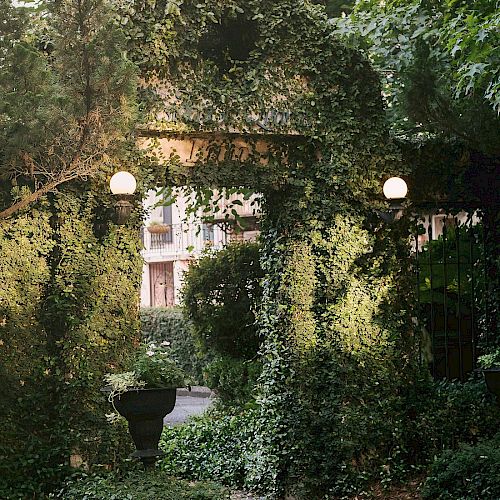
(137, 485)
(215, 445)
(430, 417)
(466, 474)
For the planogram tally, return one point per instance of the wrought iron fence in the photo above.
(450, 286)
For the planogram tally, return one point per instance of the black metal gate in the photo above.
(450, 286)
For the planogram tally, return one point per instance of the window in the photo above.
(208, 232)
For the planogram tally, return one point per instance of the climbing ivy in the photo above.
(68, 314)
(334, 321)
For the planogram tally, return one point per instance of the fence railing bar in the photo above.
(454, 270)
(419, 308)
(459, 297)
(485, 290)
(473, 291)
(431, 276)
(445, 301)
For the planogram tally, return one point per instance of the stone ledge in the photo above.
(197, 391)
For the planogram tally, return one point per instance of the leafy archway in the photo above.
(295, 115)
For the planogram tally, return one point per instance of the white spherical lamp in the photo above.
(122, 183)
(395, 188)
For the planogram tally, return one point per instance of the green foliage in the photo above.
(69, 277)
(138, 485)
(154, 366)
(447, 414)
(439, 62)
(67, 97)
(334, 315)
(467, 474)
(220, 296)
(490, 360)
(215, 445)
(438, 253)
(68, 313)
(427, 418)
(160, 324)
(335, 8)
(233, 380)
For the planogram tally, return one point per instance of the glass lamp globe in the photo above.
(395, 188)
(122, 183)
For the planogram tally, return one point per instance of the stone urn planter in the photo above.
(492, 379)
(145, 410)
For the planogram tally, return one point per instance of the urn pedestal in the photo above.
(145, 410)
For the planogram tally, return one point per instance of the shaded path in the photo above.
(189, 404)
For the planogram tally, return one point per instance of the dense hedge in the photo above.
(167, 324)
(233, 379)
(471, 473)
(68, 314)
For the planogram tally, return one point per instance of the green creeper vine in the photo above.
(334, 337)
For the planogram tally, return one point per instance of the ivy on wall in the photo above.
(334, 321)
(68, 314)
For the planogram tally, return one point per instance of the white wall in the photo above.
(187, 241)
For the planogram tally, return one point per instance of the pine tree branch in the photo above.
(35, 195)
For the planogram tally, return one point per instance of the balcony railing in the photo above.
(183, 240)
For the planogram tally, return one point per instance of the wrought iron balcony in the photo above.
(182, 239)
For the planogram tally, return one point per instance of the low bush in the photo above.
(167, 324)
(137, 485)
(213, 446)
(232, 380)
(221, 293)
(471, 473)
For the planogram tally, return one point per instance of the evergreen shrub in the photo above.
(467, 474)
(167, 324)
(221, 294)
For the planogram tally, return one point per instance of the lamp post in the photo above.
(395, 190)
(123, 185)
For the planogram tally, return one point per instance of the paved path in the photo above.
(188, 404)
